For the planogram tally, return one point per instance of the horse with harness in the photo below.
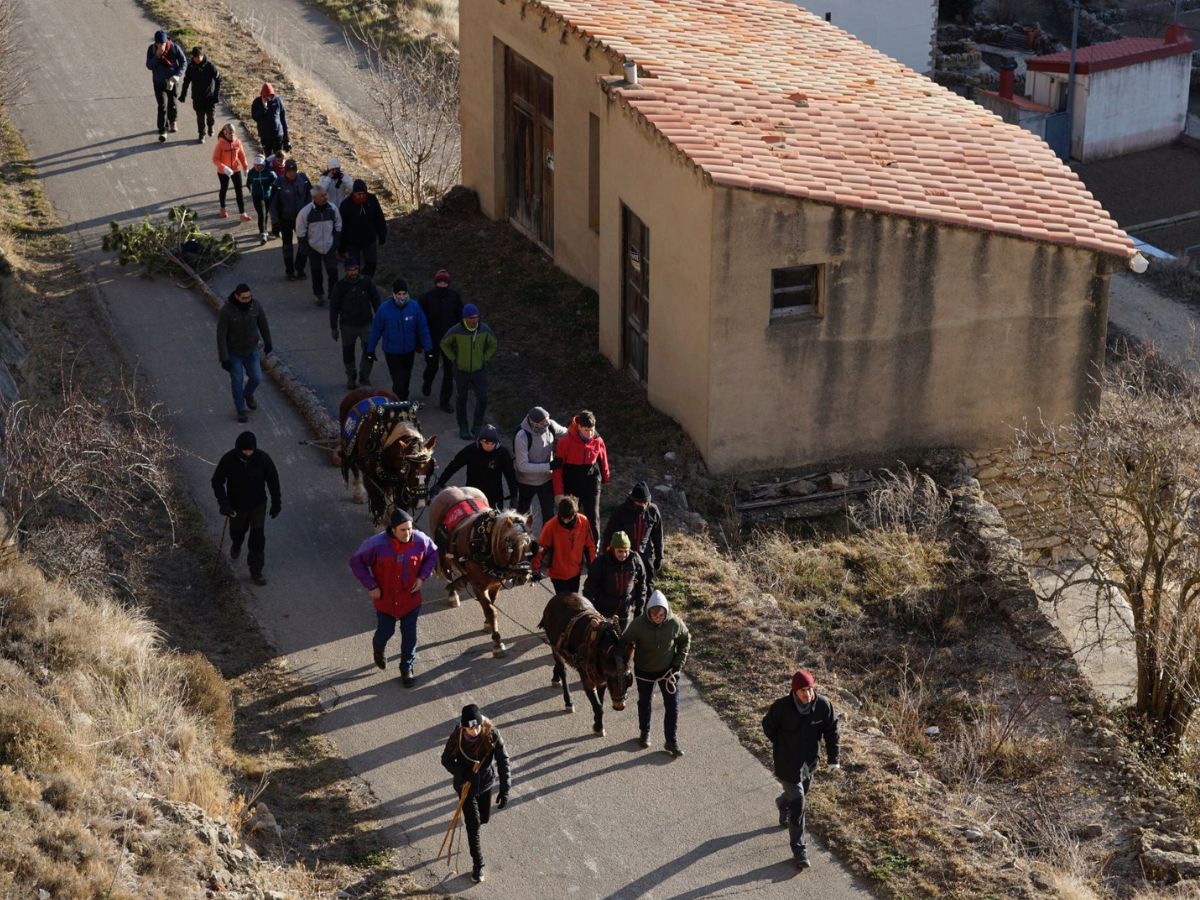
(383, 448)
(580, 636)
(486, 548)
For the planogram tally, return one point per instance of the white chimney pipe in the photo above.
(630, 72)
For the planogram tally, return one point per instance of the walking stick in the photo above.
(220, 545)
(453, 827)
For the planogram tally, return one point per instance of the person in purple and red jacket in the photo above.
(392, 566)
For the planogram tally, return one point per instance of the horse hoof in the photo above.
(453, 601)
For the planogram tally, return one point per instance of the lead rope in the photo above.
(672, 680)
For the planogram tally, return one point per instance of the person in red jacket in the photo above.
(392, 566)
(580, 467)
(565, 544)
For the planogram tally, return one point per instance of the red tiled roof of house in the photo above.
(1111, 55)
(760, 94)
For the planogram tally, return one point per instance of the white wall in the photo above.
(903, 29)
(1135, 108)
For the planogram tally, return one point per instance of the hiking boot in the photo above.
(171, 128)
(407, 678)
(477, 874)
(162, 136)
(242, 416)
(801, 860)
(262, 237)
(222, 213)
(251, 402)
(674, 749)
(235, 550)
(380, 662)
(258, 578)
(644, 740)
(351, 383)
(200, 140)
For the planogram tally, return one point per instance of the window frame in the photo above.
(799, 311)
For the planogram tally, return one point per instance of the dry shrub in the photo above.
(17, 788)
(903, 709)
(203, 785)
(207, 694)
(905, 501)
(1187, 890)
(33, 737)
(993, 746)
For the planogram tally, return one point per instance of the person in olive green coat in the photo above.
(660, 642)
(469, 345)
(241, 321)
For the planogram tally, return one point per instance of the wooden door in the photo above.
(529, 117)
(635, 280)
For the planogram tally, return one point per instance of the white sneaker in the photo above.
(262, 237)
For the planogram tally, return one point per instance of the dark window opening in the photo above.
(796, 291)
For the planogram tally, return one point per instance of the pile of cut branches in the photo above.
(160, 247)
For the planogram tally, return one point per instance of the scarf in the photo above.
(166, 49)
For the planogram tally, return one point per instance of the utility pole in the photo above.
(1071, 78)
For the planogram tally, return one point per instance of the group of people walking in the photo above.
(336, 222)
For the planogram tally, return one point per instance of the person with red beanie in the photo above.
(795, 725)
(271, 118)
(580, 466)
(393, 565)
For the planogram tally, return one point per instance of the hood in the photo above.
(246, 441)
(658, 598)
(268, 90)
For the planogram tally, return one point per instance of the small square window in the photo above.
(796, 291)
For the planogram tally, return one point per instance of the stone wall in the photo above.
(997, 473)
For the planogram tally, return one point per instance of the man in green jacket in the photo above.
(239, 325)
(469, 345)
(660, 647)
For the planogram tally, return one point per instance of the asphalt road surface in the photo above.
(590, 817)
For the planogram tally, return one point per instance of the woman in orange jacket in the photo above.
(230, 159)
(566, 540)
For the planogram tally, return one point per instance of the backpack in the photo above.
(517, 434)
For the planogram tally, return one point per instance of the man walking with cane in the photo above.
(472, 755)
(795, 725)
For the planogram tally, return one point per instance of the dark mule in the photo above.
(579, 635)
(485, 548)
(384, 449)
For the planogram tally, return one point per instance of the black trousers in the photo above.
(476, 382)
(367, 256)
(236, 178)
(588, 492)
(792, 800)
(400, 365)
(477, 811)
(351, 335)
(432, 362)
(287, 233)
(166, 107)
(260, 209)
(645, 686)
(566, 585)
(545, 498)
(270, 145)
(326, 263)
(204, 117)
(252, 520)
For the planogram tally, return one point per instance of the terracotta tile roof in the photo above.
(1111, 55)
(760, 94)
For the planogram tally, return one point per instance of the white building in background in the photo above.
(1130, 94)
(903, 29)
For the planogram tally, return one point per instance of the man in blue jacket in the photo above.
(166, 62)
(402, 325)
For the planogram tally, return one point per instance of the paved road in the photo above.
(591, 817)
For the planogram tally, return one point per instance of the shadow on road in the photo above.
(780, 871)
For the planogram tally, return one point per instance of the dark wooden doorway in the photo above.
(635, 294)
(529, 117)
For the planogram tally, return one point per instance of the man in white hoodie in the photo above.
(533, 450)
(318, 228)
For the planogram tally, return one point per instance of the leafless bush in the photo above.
(994, 743)
(415, 93)
(904, 501)
(1120, 486)
(1045, 836)
(100, 459)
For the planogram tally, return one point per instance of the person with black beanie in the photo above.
(489, 467)
(443, 308)
(639, 518)
(239, 325)
(205, 81)
(472, 754)
(241, 481)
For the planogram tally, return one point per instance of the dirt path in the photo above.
(590, 817)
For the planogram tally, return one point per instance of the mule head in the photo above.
(616, 667)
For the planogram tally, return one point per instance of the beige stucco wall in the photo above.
(932, 335)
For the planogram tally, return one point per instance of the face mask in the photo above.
(470, 327)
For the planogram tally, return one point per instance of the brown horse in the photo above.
(385, 450)
(482, 547)
(579, 635)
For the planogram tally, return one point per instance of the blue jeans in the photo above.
(408, 635)
(245, 375)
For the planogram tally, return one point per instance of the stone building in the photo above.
(803, 249)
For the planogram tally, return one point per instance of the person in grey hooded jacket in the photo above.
(533, 449)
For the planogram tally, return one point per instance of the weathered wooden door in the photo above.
(529, 115)
(635, 280)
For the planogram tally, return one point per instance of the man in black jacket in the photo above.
(795, 725)
(352, 305)
(240, 483)
(472, 755)
(639, 518)
(616, 581)
(205, 81)
(487, 463)
(364, 228)
(443, 308)
(292, 193)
